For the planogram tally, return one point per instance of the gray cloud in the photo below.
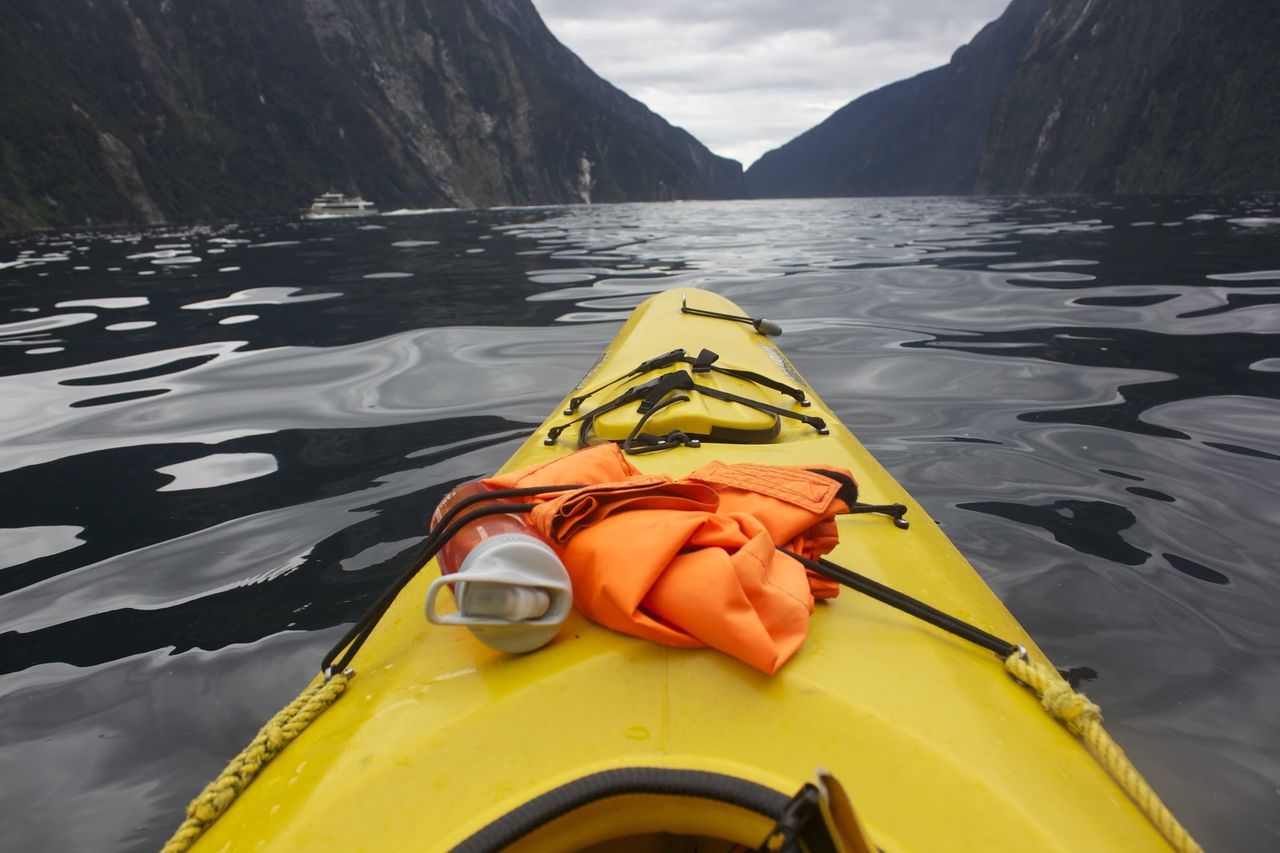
(745, 76)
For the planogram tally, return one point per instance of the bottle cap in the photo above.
(513, 593)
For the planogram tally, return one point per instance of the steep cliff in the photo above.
(149, 110)
(918, 136)
(1142, 96)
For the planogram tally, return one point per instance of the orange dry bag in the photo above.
(691, 562)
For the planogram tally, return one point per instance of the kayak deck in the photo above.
(439, 736)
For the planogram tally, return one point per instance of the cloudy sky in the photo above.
(745, 76)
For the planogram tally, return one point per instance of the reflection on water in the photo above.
(223, 440)
(218, 469)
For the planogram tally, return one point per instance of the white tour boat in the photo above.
(333, 204)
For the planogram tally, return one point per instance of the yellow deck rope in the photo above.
(1084, 720)
(279, 731)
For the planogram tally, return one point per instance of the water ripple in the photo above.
(1082, 392)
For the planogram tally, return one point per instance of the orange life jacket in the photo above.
(690, 562)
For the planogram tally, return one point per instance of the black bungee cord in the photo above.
(448, 526)
(460, 515)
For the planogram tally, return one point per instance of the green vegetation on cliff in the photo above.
(1142, 96)
(150, 110)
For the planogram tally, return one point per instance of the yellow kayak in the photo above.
(921, 740)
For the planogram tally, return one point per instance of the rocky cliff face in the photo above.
(919, 136)
(1142, 96)
(150, 110)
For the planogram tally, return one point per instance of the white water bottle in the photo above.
(513, 593)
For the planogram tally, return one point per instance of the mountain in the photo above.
(154, 110)
(921, 136)
(1142, 96)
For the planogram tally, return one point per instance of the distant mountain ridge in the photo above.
(1063, 96)
(1142, 96)
(922, 136)
(151, 110)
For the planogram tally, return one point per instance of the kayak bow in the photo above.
(604, 739)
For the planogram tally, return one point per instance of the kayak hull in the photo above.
(439, 737)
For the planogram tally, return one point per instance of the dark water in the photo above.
(218, 444)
